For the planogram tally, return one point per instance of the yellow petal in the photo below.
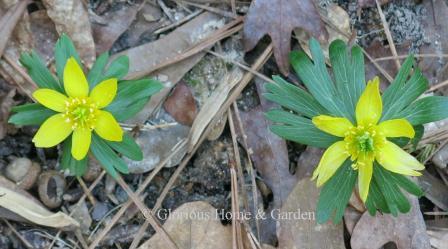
(332, 159)
(107, 127)
(104, 92)
(51, 99)
(81, 142)
(395, 159)
(75, 82)
(397, 128)
(365, 171)
(53, 131)
(370, 106)
(332, 125)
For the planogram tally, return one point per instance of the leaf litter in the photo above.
(129, 28)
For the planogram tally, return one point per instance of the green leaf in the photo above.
(299, 129)
(396, 201)
(405, 183)
(107, 157)
(118, 68)
(348, 73)
(76, 167)
(128, 148)
(335, 194)
(393, 91)
(317, 80)
(419, 131)
(415, 87)
(30, 114)
(426, 110)
(38, 71)
(64, 49)
(95, 75)
(293, 98)
(375, 200)
(132, 96)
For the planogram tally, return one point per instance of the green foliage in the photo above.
(118, 68)
(96, 73)
(426, 110)
(335, 194)
(127, 148)
(317, 80)
(30, 114)
(293, 98)
(385, 193)
(77, 167)
(339, 99)
(107, 157)
(299, 129)
(132, 96)
(348, 74)
(38, 71)
(64, 49)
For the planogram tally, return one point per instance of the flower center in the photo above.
(365, 142)
(80, 112)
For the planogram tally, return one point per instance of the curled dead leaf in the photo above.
(24, 205)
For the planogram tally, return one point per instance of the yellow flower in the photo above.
(78, 113)
(366, 142)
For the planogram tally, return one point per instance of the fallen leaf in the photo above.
(438, 238)
(30, 209)
(158, 144)
(211, 106)
(351, 217)
(278, 21)
(297, 224)
(340, 22)
(406, 230)
(435, 190)
(116, 21)
(269, 154)
(70, 17)
(181, 104)
(193, 225)
(145, 58)
(8, 22)
(6, 103)
(44, 34)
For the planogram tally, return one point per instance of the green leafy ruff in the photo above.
(293, 121)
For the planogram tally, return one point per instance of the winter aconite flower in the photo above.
(362, 130)
(365, 142)
(80, 112)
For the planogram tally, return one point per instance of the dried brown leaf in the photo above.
(278, 20)
(145, 58)
(117, 21)
(406, 231)
(6, 103)
(8, 22)
(198, 233)
(71, 17)
(181, 104)
(29, 208)
(298, 227)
